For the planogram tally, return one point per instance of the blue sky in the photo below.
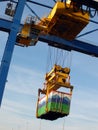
(26, 75)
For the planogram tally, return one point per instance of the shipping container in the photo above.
(54, 105)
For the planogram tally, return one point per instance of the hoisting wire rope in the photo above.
(63, 124)
(59, 57)
(85, 9)
(67, 58)
(40, 125)
(62, 1)
(63, 58)
(88, 10)
(49, 59)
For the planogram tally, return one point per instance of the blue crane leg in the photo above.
(6, 59)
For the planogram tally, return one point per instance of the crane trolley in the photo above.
(65, 22)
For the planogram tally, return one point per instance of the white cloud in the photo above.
(22, 84)
(25, 80)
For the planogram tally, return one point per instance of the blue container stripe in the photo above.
(42, 104)
(63, 99)
(56, 99)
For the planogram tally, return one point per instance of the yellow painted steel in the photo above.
(26, 30)
(56, 78)
(63, 21)
(29, 33)
(26, 35)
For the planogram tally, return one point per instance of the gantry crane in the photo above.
(12, 27)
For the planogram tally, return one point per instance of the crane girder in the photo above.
(76, 45)
(58, 42)
(5, 25)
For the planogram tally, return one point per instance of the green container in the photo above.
(58, 105)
